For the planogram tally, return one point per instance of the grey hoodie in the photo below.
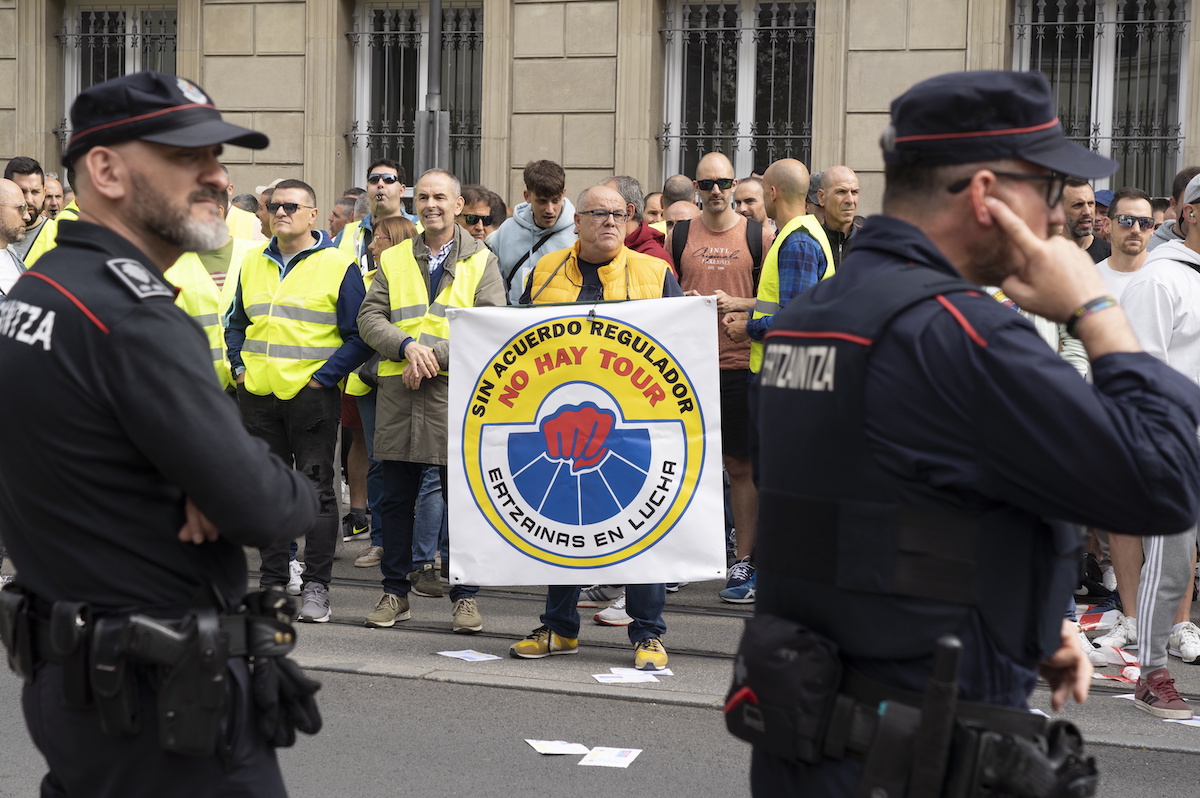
(1167, 232)
(516, 237)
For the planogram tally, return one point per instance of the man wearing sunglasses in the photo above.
(476, 217)
(292, 337)
(908, 420)
(1161, 299)
(385, 194)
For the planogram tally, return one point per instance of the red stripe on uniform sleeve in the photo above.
(854, 339)
(74, 299)
(962, 320)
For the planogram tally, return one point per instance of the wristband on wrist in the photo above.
(1088, 308)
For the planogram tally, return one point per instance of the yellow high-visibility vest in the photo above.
(767, 301)
(293, 322)
(47, 237)
(425, 322)
(200, 298)
(629, 275)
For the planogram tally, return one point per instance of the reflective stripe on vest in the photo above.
(767, 302)
(406, 281)
(293, 322)
(200, 298)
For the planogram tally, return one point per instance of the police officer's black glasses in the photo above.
(1125, 220)
(474, 218)
(1055, 183)
(388, 179)
(724, 183)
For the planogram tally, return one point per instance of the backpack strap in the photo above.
(679, 234)
(754, 231)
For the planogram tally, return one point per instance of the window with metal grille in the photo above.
(739, 80)
(1118, 69)
(101, 42)
(391, 84)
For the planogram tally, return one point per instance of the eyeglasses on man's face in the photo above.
(288, 207)
(1144, 222)
(475, 218)
(1055, 183)
(723, 183)
(601, 216)
(382, 178)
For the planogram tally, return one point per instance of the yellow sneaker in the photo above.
(543, 643)
(649, 655)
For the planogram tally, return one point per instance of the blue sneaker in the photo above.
(1113, 602)
(740, 594)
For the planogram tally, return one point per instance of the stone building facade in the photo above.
(600, 86)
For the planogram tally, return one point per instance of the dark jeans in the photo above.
(643, 603)
(366, 412)
(402, 484)
(83, 760)
(302, 431)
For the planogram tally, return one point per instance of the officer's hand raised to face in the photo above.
(1056, 279)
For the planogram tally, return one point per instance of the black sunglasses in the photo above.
(474, 218)
(1125, 220)
(288, 207)
(724, 183)
(1055, 183)
(388, 179)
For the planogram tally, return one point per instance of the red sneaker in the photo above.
(1156, 694)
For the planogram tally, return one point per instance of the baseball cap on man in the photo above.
(1191, 194)
(965, 117)
(1104, 197)
(151, 106)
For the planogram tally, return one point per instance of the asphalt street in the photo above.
(401, 718)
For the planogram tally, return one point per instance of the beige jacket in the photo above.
(411, 425)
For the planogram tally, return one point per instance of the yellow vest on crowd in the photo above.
(423, 322)
(354, 383)
(47, 237)
(243, 224)
(200, 298)
(293, 322)
(349, 243)
(629, 275)
(767, 303)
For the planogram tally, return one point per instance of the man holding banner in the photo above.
(599, 267)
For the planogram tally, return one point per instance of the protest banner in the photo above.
(585, 444)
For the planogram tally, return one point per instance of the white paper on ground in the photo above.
(1194, 721)
(660, 672)
(469, 655)
(611, 757)
(637, 677)
(558, 747)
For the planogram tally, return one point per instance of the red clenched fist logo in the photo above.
(578, 434)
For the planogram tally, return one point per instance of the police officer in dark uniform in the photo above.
(128, 485)
(928, 460)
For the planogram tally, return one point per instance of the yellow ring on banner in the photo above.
(511, 390)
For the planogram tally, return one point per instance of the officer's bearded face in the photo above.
(174, 220)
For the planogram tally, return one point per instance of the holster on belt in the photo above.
(192, 698)
(69, 629)
(113, 681)
(16, 631)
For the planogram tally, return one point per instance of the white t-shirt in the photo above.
(1115, 280)
(1163, 306)
(10, 270)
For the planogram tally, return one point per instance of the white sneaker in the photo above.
(1122, 635)
(1185, 643)
(295, 572)
(599, 595)
(1094, 655)
(1109, 579)
(614, 615)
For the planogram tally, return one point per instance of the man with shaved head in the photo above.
(678, 188)
(798, 259)
(14, 215)
(720, 254)
(678, 212)
(838, 195)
